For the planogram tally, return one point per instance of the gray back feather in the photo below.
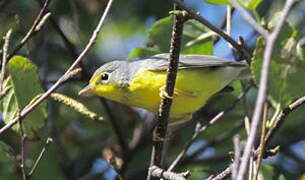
(160, 62)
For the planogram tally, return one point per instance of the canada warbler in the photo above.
(141, 83)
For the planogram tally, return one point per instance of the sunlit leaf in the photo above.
(23, 85)
(200, 48)
(196, 39)
(249, 4)
(142, 52)
(223, 2)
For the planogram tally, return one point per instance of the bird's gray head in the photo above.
(112, 73)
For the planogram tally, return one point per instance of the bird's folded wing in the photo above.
(160, 62)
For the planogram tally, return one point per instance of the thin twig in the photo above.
(223, 25)
(22, 148)
(218, 139)
(44, 149)
(161, 173)
(68, 44)
(224, 174)
(73, 52)
(4, 59)
(262, 141)
(249, 19)
(262, 91)
(201, 128)
(90, 44)
(194, 15)
(282, 116)
(32, 30)
(235, 164)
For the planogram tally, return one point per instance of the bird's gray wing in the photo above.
(160, 62)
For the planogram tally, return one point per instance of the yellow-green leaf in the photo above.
(23, 85)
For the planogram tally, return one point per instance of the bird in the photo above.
(141, 83)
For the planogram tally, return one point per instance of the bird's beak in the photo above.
(86, 90)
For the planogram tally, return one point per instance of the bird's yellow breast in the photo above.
(193, 88)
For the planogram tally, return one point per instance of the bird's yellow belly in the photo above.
(193, 88)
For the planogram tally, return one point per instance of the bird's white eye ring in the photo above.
(105, 77)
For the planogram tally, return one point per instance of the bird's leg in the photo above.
(156, 137)
(163, 94)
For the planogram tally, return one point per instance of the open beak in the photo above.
(86, 90)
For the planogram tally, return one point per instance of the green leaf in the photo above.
(286, 70)
(142, 52)
(160, 33)
(204, 48)
(222, 2)
(23, 85)
(249, 4)
(196, 39)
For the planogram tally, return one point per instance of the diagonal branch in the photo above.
(161, 173)
(33, 29)
(44, 149)
(201, 128)
(262, 91)
(64, 77)
(194, 15)
(249, 19)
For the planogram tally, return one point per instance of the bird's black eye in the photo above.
(105, 77)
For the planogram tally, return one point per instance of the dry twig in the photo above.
(4, 60)
(38, 23)
(44, 149)
(161, 173)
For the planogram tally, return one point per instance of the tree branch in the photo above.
(161, 173)
(63, 78)
(262, 91)
(224, 174)
(282, 116)
(160, 130)
(249, 19)
(245, 54)
(4, 60)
